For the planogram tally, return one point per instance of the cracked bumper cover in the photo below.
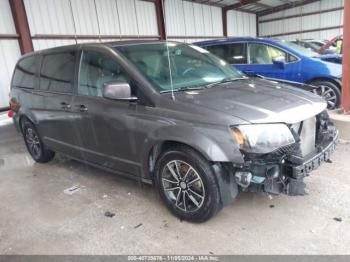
(282, 170)
(315, 161)
(284, 175)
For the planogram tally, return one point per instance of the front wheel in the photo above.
(328, 91)
(187, 185)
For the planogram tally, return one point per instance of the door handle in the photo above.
(81, 108)
(65, 105)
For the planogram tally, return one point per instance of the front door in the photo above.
(260, 61)
(104, 124)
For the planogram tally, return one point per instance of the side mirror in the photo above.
(118, 90)
(279, 60)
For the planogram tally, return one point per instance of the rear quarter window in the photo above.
(57, 72)
(233, 53)
(25, 72)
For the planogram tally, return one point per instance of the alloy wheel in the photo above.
(328, 94)
(183, 186)
(33, 142)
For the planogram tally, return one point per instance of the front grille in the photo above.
(293, 149)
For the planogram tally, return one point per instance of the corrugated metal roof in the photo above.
(248, 6)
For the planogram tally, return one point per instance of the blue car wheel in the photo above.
(330, 92)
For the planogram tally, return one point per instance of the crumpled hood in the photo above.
(257, 101)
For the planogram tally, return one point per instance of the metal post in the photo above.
(346, 59)
(224, 21)
(160, 19)
(21, 23)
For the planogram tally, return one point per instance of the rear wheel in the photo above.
(328, 91)
(35, 146)
(187, 185)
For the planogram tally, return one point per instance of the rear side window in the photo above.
(233, 53)
(24, 76)
(57, 72)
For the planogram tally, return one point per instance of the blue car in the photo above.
(280, 60)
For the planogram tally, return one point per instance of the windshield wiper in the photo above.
(183, 89)
(226, 80)
(202, 86)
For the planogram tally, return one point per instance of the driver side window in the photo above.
(264, 54)
(95, 70)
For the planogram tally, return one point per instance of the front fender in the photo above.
(216, 145)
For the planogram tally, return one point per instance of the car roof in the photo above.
(272, 41)
(234, 40)
(108, 44)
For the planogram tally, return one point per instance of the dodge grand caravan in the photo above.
(171, 114)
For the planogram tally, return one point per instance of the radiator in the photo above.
(308, 136)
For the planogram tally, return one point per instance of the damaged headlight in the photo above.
(262, 138)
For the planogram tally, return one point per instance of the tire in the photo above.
(329, 91)
(34, 144)
(197, 196)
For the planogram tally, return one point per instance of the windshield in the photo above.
(300, 49)
(184, 67)
(313, 46)
(316, 44)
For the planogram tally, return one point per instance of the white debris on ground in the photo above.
(72, 190)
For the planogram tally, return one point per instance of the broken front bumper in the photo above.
(283, 174)
(315, 161)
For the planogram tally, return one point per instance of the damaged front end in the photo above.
(283, 170)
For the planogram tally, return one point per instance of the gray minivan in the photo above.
(171, 114)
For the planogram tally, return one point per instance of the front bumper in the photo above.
(315, 161)
(285, 174)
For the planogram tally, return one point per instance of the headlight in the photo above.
(262, 138)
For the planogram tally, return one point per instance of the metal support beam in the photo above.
(302, 15)
(72, 37)
(21, 23)
(160, 19)
(240, 4)
(286, 6)
(194, 37)
(224, 22)
(257, 25)
(305, 31)
(346, 59)
(9, 36)
(245, 10)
